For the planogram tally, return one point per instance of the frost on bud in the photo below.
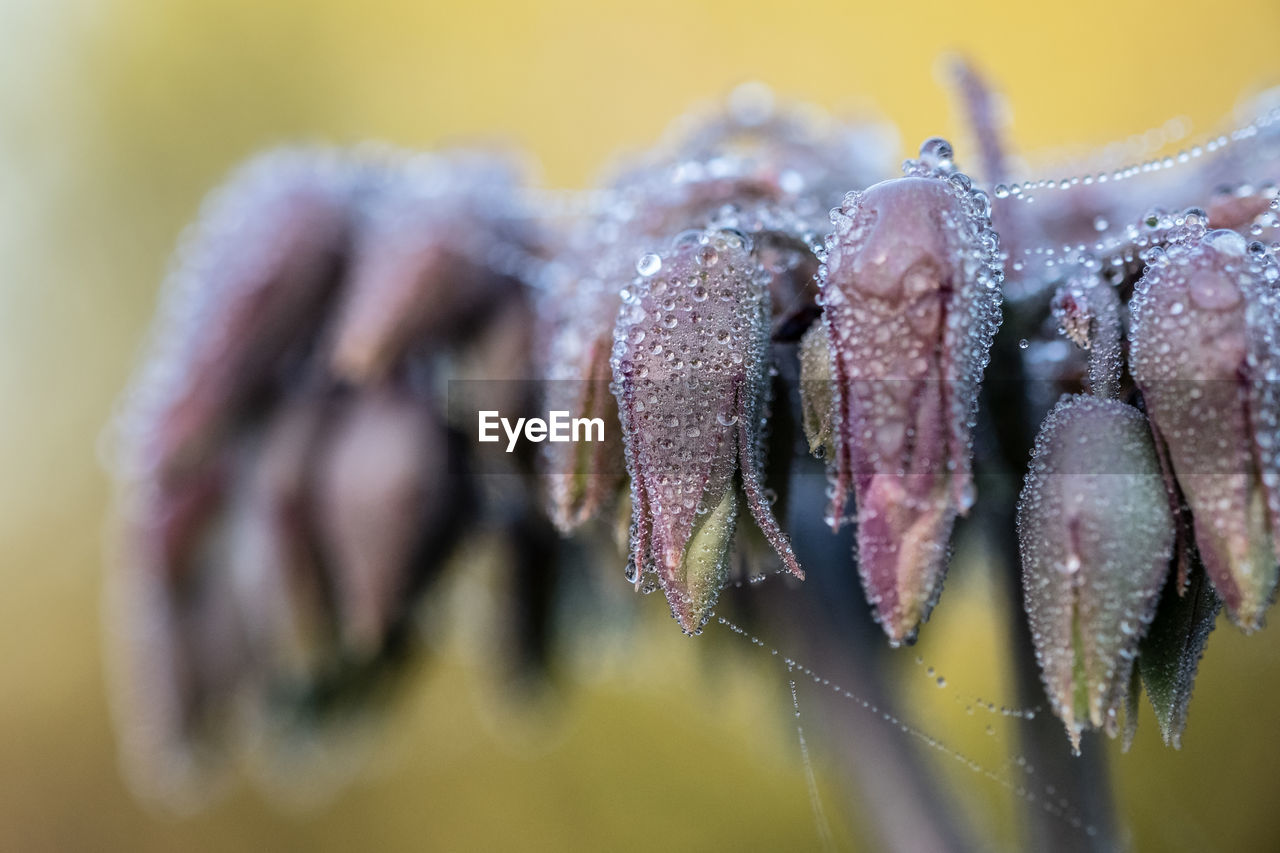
(1096, 537)
(1170, 653)
(1204, 352)
(690, 375)
(912, 303)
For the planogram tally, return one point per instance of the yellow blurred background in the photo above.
(117, 116)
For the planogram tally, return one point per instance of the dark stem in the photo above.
(1082, 781)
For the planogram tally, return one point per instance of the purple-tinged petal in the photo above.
(428, 261)
(1203, 350)
(690, 375)
(576, 321)
(912, 302)
(244, 303)
(383, 486)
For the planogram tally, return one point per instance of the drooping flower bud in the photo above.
(246, 298)
(389, 504)
(912, 303)
(1205, 351)
(817, 396)
(1169, 655)
(1096, 536)
(430, 257)
(278, 528)
(690, 366)
(577, 314)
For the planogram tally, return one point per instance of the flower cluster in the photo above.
(294, 476)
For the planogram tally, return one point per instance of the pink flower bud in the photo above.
(690, 367)
(425, 266)
(912, 302)
(1204, 352)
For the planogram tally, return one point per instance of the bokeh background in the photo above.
(116, 116)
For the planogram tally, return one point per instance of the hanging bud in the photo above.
(1096, 537)
(243, 304)
(1170, 653)
(912, 302)
(1205, 354)
(577, 313)
(429, 260)
(817, 397)
(690, 374)
(388, 504)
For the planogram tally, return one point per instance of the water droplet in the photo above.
(936, 153)
(649, 264)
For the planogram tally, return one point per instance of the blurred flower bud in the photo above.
(436, 247)
(388, 501)
(1205, 353)
(912, 303)
(1237, 206)
(577, 314)
(817, 395)
(279, 527)
(1096, 537)
(242, 306)
(690, 375)
(241, 312)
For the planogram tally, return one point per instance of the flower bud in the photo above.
(426, 264)
(1169, 655)
(690, 374)
(817, 397)
(388, 504)
(1096, 537)
(577, 316)
(912, 303)
(253, 280)
(1205, 354)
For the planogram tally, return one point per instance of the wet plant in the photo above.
(785, 338)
